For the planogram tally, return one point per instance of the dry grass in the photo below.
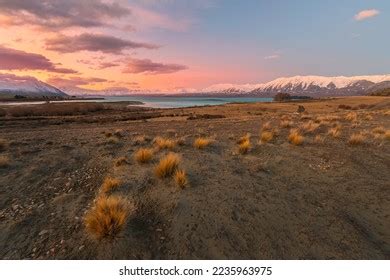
(112, 140)
(167, 165)
(286, 124)
(3, 144)
(107, 218)
(379, 130)
(266, 126)
(335, 132)
(181, 179)
(121, 161)
(295, 137)
(141, 139)
(352, 117)
(4, 161)
(109, 184)
(387, 135)
(318, 139)
(244, 139)
(119, 133)
(310, 127)
(368, 117)
(244, 147)
(108, 134)
(143, 155)
(55, 109)
(164, 143)
(202, 142)
(357, 139)
(266, 136)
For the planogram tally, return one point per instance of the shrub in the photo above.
(181, 179)
(163, 143)
(295, 137)
(266, 136)
(121, 161)
(244, 138)
(244, 147)
(109, 184)
(108, 217)
(4, 161)
(143, 155)
(357, 139)
(201, 142)
(387, 135)
(167, 165)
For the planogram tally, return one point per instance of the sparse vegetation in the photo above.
(167, 165)
(143, 155)
(112, 140)
(295, 137)
(3, 144)
(318, 139)
(110, 184)
(244, 144)
(376, 130)
(266, 126)
(352, 117)
(310, 126)
(244, 139)
(181, 179)
(4, 161)
(202, 142)
(121, 161)
(107, 217)
(164, 143)
(335, 131)
(387, 135)
(286, 124)
(55, 109)
(266, 136)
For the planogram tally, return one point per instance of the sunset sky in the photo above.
(173, 45)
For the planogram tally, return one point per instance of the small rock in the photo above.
(43, 232)
(81, 247)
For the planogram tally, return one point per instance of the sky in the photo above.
(186, 45)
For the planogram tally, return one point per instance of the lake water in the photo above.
(162, 101)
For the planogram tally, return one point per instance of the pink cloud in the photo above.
(365, 14)
(146, 66)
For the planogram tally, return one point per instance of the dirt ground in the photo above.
(319, 200)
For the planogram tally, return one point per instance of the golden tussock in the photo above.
(318, 139)
(110, 184)
(379, 130)
(244, 138)
(295, 137)
(266, 136)
(143, 155)
(181, 179)
(107, 218)
(244, 146)
(202, 142)
(121, 161)
(352, 117)
(4, 161)
(266, 126)
(286, 124)
(335, 131)
(357, 139)
(167, 165)
(164, 143)
(387, 135)
(310, 126)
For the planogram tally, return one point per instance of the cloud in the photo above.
(105, 65)
(5, 77)
(273, 56)
(93, 42)
(146, 66)
(73, 82)
(365, 14)
(52, 14)
(11, 59)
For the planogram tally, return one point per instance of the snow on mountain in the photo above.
(27, 86)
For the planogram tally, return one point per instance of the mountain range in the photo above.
(315, 86)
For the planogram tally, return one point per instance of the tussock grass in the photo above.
(335, 132)
(266, 136)
(352, 117)
(202, 142)
(4, 161)
(368, 117)
(387, 135)
(167, 165)
(141, 139)
(143, 155)
(112, 140)
(3, 144)
(108, 217)
(286, 124)
(181, 179)
(318, 139)
(121, 161)
(109, 184)
(244, 144)
(119, 133)
(244, 138)
(267, 126)
(164, 143)
(357, 139)
(379, 130)
(295, 137)
(310, 127)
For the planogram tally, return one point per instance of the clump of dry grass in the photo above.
(352, 117)
(107, 218)
(310, 126)
(109, 184)
(266, 136)
(368, 117)
(286, 124)
(387, 135)
(119, 133)
(379, 130)
(121, 161)
(167, 165)
(112, 140)
(357, 139)
(143, 155)
(164, 143)
(3, 144)
(318, 139)
(335, 131)
(244, 144)
(202, 142)
(4, 161)
(295, 137)
(244, 138)
(181, 179)
(267, 126)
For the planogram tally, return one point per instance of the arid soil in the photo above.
(328, 198)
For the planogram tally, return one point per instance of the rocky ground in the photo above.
(325, 199)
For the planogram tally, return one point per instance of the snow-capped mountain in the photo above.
(308, 85)
(11, 85)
